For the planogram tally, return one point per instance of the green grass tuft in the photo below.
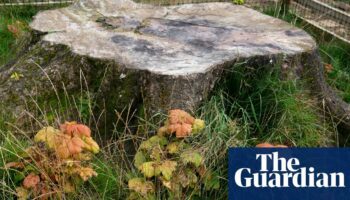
(277, 111)
(337, 53)
(8, 16)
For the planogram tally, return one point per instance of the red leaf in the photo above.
(31, 181)
(74, 129)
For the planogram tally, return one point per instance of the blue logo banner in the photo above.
(289, 173)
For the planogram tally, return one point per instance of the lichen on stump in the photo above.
(170, 56)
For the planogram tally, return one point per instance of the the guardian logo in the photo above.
(286, 173)
(289, 173)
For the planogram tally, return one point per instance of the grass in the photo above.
(337, 53)
(9, 16)
(252, 107)
(275, 110)
(11, 149)
(333, 51)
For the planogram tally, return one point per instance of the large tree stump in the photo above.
(163, 57)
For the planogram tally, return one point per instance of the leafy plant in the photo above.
(17, 28)
(171, 163)
(57, 163)
(239, 2)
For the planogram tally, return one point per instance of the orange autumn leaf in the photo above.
(13, 29)
(268, 145)
(75, 145)
(62, 151)
(181, 130)
(16, 28)
(180, 122)
(31, 181)
(73, 129)
(264, 145)
(61, 146)
(179, 116)
(328, 67)
(67, 146)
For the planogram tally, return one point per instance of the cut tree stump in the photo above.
(160, 57)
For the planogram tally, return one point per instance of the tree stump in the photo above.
(158, 57)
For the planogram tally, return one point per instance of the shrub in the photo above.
(57, 163)
(170, 163)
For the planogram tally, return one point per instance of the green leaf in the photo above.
(146, 145)
(211, 181)
(193, 179)
(19, 176)
(139, 159)
(166, 169)
(198, 126)
(16, 76)
(156, 153)
(161, 140)
(173, 147)
(191, 157)
(29, 168)
(148, 169)
(152, 142)
(48, 136)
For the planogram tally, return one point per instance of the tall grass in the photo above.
(337, 53)
(333, 51)
(276, 110)
(10, 150)
(9, 15)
